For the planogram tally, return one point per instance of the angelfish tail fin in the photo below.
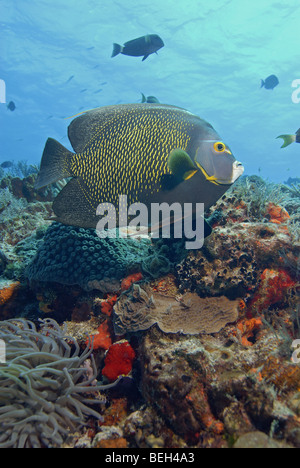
(55, 165)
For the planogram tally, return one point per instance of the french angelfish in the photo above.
(152, 153)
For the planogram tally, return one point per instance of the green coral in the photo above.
(294, 190)
(20, 169)
(10, 206)
(22, 255)
(71, 255)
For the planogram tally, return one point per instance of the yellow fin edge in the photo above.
(212, 179)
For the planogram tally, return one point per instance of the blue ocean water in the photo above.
(56, 61)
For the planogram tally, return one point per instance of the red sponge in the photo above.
(118, 360)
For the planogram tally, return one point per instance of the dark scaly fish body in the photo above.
(152, 153)
(270, 82)
(142, 46)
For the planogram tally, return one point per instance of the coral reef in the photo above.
(246, 329)
(141, 308)
(103, 337)
(20, 169)
(118, 360)
(210, 385)
(127, 282)
(232, 258)
(196, 345)
(275, 287)
(277, 214)
(108, 304)
(71, 255)
(7, 293)
(78, 256)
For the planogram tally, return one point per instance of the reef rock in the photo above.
(233, 258)
(140, 308)
(207, 387)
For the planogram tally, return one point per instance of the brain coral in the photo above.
(71, 255)
(140, 308)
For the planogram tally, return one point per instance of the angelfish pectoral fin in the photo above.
(181, 165)
(287, 140)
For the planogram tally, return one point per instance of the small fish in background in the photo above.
(292, 181)
(142, 46)
(149, 99)
(6, 164)
(70, 79)
(11, 106)
(270, 82)
(289, 139)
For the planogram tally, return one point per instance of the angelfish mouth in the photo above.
(237, 171)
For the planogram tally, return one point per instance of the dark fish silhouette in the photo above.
(6, 164)
(70, 79)
(149, 99)
(142, 46)
(11, 106)
(288, 139)
(270, 82)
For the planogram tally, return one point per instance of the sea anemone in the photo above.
(43, 385)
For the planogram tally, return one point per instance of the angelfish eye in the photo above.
(219, 147)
